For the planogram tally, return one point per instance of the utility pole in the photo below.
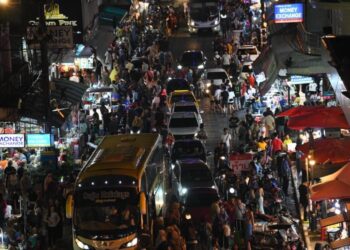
(45, 84)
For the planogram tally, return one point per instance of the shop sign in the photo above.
(289, 13)
(63, 20)
(11, 140)
(240, 163)
(84, 63)
(297, 79)
(105, 196)
(60, 37)
(39, 140)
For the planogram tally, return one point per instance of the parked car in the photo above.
(203, 15)
(192, 59)
(188, 174)
(183, 124)
(213, 78)
(197, 204)
(188, 149)
(249, 52)
(184, 106)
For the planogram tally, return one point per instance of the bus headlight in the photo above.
(81, 245)
(132, 243)
(184, 191)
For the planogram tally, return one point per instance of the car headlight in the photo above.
(195, 135)
(192, 23)
(188, 216)
(81, 245)
(132, 243)
(184, 191)
(201, 66)
(216, 22)
(179, 66)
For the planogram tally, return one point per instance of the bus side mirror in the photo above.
(69, 206)
(143, 203)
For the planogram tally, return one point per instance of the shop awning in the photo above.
(333, 186)
(334, 150)
(266, 63)
(300, 110)
(332, 220)
(325, 117)
(340, 243)
(68, 91)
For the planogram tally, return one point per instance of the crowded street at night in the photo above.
(174, 125)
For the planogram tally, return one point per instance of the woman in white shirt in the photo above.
(231, 98)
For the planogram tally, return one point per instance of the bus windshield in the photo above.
(106, 210)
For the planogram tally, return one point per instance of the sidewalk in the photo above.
(310, 238)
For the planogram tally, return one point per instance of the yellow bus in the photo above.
(118, 193)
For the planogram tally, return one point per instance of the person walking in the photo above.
(202, 135)
(227, 139)
(52, 221)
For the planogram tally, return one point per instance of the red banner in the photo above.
(240, 163)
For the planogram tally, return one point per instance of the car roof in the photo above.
(179, 115)
(215, 70)
(183, 141)
(192, 163)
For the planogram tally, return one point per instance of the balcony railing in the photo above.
(309, 43)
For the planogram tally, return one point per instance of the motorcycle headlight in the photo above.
(195, 135)
(201, 66)
(172, 166)
(216, 22)
(208, 84)
(81, 245)
(184, 191)
(188, 216)
(192, 23)
(179, 66)
(131, 243)
(222, 158)
(231, 190)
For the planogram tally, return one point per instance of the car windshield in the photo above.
(183, 122)
(192, 58)
(186, 108)
(177, 84)
(182, 98)
(191, 176)
(195, 199)
(188, 150)
(106, 210)
(216, 75)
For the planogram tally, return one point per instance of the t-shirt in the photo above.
(226, 58)
(276, 144)
(217, 94)
(231, 95)
(269, 122)
(262, 145)
(224, 96)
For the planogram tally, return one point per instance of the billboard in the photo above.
(289, 13)
(39, 140)
(11, 140)
(60, 37)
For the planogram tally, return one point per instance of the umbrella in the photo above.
(332, 117)
(333, 186)
(335, 150)
(300, 110)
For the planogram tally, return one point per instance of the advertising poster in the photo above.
(289, 13)
(11, 140)
(240, 163)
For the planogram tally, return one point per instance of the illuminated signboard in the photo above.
(289, 13)
(11, 141)
(39, 140)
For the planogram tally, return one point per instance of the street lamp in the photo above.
(4, 2)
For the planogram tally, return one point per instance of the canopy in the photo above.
(335, 150)
(300, 110)
(318, 117)
(333, 186)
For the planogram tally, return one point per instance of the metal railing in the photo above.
(309, 43)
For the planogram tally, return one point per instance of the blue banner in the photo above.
(289, 13)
